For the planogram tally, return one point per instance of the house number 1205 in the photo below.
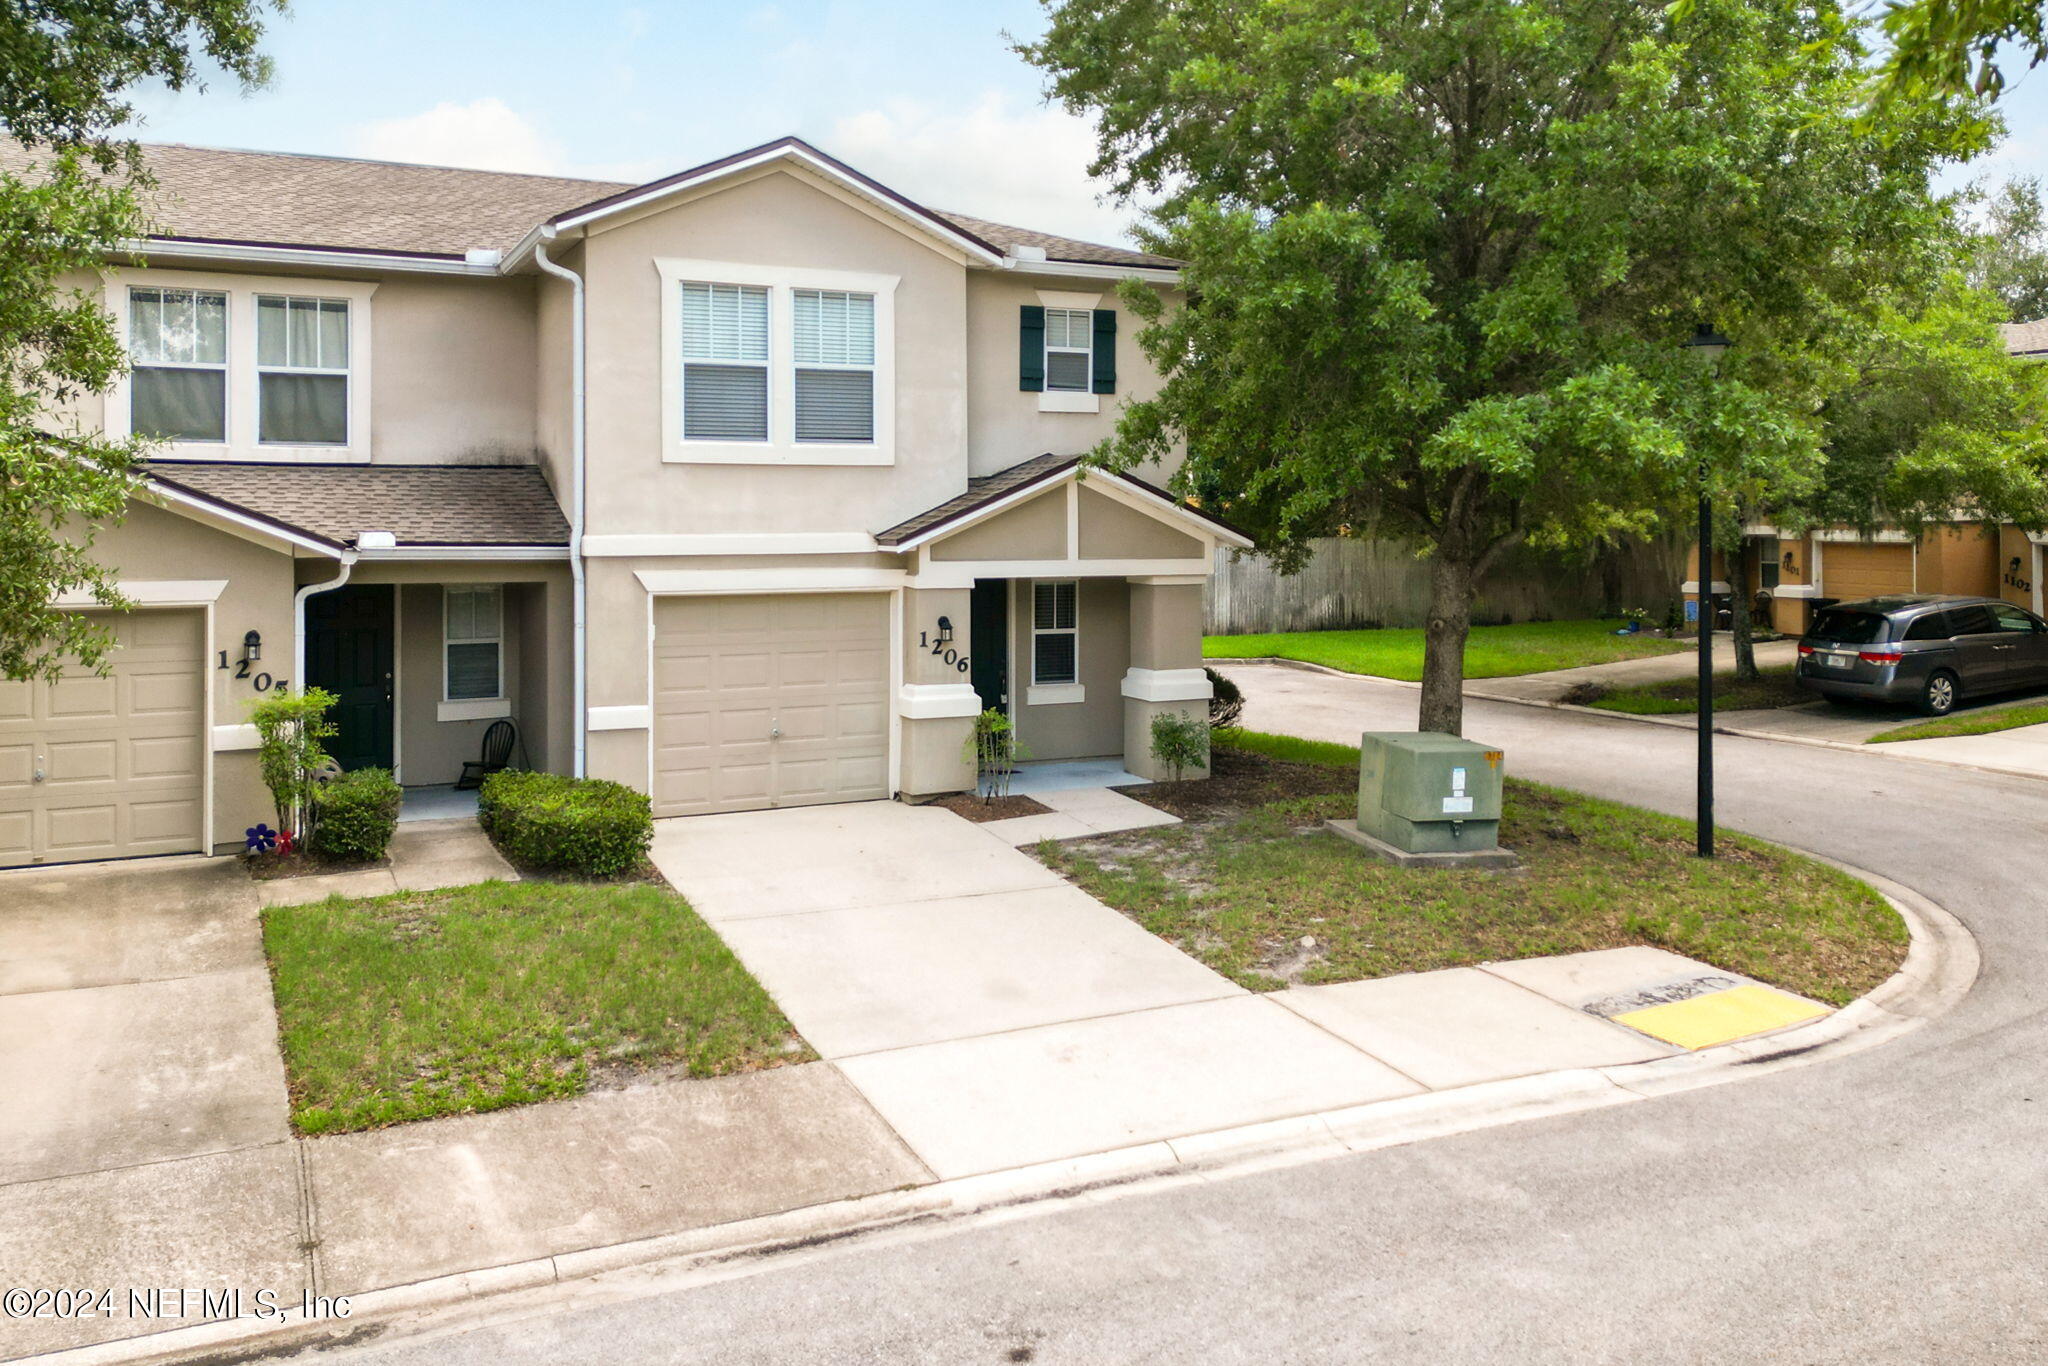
(263, 682)
(942, 650)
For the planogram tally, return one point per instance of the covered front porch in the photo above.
(1066, 598)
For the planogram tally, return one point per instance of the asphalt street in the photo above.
(1888, 1206)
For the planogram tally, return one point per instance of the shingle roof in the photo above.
(215, 194)
(457, 505)
(2026, 339)
(992, 488)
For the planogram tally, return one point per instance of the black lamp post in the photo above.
(1706, 346)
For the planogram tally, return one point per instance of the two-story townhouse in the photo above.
(749, 486)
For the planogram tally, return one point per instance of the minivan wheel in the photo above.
(1938, 698)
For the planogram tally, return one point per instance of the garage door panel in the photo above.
(122, 753)
(1850, 570)
(812, 666)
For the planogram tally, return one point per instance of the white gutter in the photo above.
(579, 592)
(485, 263)
(348, 563)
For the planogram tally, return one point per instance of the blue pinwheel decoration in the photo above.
(262, 839)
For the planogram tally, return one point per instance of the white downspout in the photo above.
(579, 596)
(348, 563)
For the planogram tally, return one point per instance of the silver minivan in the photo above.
(1925, 649)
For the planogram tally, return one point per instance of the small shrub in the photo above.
(994, 750)
(1180, 741)
(357, 813)
(1226, 702)
(578, 825)
(290, 727)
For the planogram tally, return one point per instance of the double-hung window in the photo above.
(473, 637)
(301, 371)
(1055, 630)
(178, 345)
(725, 362)
(834, 348)
(1069, 349)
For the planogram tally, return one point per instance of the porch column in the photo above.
(937, 702)
(1165, 673)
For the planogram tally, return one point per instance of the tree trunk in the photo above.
(1451, 582)
(1738, 614)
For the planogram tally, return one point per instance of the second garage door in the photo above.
(770, 700)
(1851, 570)
(108, 766)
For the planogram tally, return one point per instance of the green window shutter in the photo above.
(1103, 381)
(1031, 349)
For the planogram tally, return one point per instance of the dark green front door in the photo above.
(988, 643)
(348, 652)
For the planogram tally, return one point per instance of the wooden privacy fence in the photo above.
(1356, 582)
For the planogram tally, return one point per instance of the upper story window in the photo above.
(178, 346)
(725, 362)
(835, 365)
(301, 371)
(243, 367)
(1069, 334)
(767, 365)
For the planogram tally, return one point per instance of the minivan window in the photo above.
(1973, 619)
(1848, 628)
(2013, 619)
(1931, 626)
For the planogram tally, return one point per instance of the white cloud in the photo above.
(485, 135)
(1025, 167)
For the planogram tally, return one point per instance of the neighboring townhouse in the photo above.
(1788, 573)
(750, 486)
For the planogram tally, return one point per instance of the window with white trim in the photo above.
(178, 348)
(301, 371)
(725, 362)
(1069, 349)
(834, 346)
(1055, 631)
(472, 632)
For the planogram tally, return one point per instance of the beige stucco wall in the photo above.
(2019, 567)
(453, 370)
(774, 219)
(1093, 727)
(1036, 530)
(935, 750)
(1004, 423)
(1112, 531)
(156, 544)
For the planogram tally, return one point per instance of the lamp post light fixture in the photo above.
(1706, 346)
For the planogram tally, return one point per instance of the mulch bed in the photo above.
(1239, 781)
(271, 866)
(980, 809)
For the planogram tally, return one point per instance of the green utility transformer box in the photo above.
(1425, 793)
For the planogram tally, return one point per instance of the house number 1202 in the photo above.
(942, 650)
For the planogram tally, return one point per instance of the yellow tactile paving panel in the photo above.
(1721, 1016)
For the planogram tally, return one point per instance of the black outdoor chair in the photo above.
(498, 742)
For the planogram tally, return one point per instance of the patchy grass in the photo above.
(1491, 651)
(1774, 688)
(1969, 723)
(422, 1004)
(1259, 891)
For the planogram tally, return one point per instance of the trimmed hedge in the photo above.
(578, 825)
(356, 813)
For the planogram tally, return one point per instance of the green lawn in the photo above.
(1491, 652)
(1242, 891)
(1970, 723)
(1775, 688)
(406, 1007)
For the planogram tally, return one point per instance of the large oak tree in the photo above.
(1442, 259)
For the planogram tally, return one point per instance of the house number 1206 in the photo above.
(942, 650)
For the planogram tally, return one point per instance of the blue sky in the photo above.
(924, 95)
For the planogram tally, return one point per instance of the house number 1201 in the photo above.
(942, 650)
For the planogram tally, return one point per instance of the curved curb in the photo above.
(1942, 962)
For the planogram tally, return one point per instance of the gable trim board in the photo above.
(1157, 503)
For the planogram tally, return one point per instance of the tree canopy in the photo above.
(65, 66)
(1441, 262)
(2010, 259)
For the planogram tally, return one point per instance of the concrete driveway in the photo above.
(136, 1022)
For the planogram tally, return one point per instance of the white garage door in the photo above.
(770, 700)
(96, 767)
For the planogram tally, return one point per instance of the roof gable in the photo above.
(994, 493)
